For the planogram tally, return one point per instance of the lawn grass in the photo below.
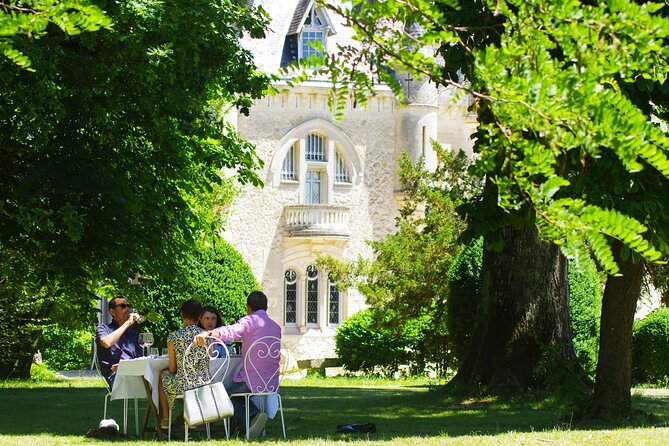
(407, 412)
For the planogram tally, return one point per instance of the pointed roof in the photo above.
(302, 10)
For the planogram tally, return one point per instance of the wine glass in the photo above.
(148, 340)
(142, 342)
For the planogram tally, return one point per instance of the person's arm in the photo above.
(172, 356)
(112, 338)
(226, 333)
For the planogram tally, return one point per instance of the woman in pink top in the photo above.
(255, 325)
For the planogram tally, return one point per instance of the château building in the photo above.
(330, 186)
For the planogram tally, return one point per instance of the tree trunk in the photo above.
(613, 379)
(524, 310)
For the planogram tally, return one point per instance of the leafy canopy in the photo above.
(111, 150)
(550, 81)
(30, 18)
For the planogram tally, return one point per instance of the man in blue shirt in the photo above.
(118, 339)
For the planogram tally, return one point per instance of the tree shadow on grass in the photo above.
(60, 411)
(314, 412)
(408, 412)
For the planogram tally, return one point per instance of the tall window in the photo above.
(334, 302)
(312, 295)
(313, 187)
(290, 292)
(288, 166)
(341, 170)
(315, 148)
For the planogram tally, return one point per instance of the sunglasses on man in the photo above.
(124, 306)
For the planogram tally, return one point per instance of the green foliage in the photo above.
(464, 297)
(371, 341)
(216, 275)
(41, 372)
(585, 302)
(585, 305)
(66, 349)
(650, 348)
(405, 283)
(111, 155)
(570, 95)
(29, 20)
(408, 272)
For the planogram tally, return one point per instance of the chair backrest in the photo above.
(215, 349)
(265, 364)
(96, 361)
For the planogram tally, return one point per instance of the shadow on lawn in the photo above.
(310, 412)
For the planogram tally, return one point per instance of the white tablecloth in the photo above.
(128, 382)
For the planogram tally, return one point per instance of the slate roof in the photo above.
(301, 11)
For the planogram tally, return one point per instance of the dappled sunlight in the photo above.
(411, 414)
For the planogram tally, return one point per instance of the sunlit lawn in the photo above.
(407, 412)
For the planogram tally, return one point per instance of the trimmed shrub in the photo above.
(66, 348)
(650, 348)
(217, 275)
(369, 341)
(585, 302)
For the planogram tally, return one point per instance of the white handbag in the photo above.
(206, 404)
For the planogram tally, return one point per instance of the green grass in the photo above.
(408, 412)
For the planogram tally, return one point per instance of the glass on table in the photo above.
(166, 352)
(155, 351)
(142, 343)
(145, 341)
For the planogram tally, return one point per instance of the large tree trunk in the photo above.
(613, 380)
(525, 309)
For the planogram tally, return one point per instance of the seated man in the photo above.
(118, 339)
(255, 325)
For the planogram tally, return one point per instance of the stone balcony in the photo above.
(317, 220)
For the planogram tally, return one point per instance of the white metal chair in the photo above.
(216, 349)
(260, 386)
(96, 362)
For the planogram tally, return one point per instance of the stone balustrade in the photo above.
(317, 220)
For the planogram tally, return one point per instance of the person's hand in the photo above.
(114, 368)
(201, 339)
(134, 317)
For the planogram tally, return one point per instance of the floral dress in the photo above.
(197, 370)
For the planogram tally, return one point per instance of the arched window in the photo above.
(312, 295)
(288, 166)
(341, 169)
(334, 303)
(290, 296)
(315, 147)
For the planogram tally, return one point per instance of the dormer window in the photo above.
(314, 29)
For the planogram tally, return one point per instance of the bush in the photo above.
(216, 275)
(40, 372)
(66, 348)
(650, 347)
(369, 341)
(465, 298)
(585, 308)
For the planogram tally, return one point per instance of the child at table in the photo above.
(175, 380)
